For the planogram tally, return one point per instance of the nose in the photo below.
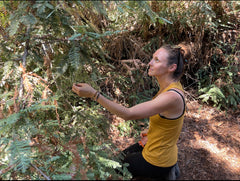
(150, 63)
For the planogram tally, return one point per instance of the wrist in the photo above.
(97, 96)
(94, 95)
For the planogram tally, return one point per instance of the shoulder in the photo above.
(172, 96)
(177, 91)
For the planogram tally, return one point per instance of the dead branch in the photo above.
(72, 146)
(24, 59)
(136, 63)
(5, 170)
(47, 62)
(45, 176)
(49, 37)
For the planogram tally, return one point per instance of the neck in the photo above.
(164, 82)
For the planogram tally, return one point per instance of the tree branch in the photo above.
(7, 169)
(24, 59)
(45, 176)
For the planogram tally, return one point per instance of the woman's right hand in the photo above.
(83, 90)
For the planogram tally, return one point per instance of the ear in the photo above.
(172, 67)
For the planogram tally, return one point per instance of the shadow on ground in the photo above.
(209, 145)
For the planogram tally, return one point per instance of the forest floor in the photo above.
(209, 144)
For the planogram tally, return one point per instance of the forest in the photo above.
(47, 132)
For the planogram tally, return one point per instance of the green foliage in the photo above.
(218, 83)
(213, 94)
(44, 126)
(125, 128)
(36, 130)
(20, 154)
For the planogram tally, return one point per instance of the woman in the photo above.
(165, 112)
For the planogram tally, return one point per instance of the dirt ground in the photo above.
(209, 144)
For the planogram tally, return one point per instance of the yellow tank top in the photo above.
(161, 148)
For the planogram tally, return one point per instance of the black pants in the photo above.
(139, 167)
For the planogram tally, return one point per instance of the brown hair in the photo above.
(177, 55)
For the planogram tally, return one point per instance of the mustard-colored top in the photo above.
(161, 148)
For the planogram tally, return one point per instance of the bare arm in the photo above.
(162, 103)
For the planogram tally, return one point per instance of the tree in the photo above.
(47, 132)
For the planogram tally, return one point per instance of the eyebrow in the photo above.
(155, 56)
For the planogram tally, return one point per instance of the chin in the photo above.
(151, 74)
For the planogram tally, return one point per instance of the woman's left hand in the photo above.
(144, 138)
(83, 90)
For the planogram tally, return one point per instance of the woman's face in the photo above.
(158, 66)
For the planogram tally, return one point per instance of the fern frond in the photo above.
(109, 163)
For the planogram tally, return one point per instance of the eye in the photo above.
(157, 60)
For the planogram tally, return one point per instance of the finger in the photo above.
(143, 135)
(79, 84)
(76, 86)
(75, 89)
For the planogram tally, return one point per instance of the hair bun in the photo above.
(185, 50)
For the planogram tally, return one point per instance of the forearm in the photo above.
(84, 90)
(139, 111)
(114, 107)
